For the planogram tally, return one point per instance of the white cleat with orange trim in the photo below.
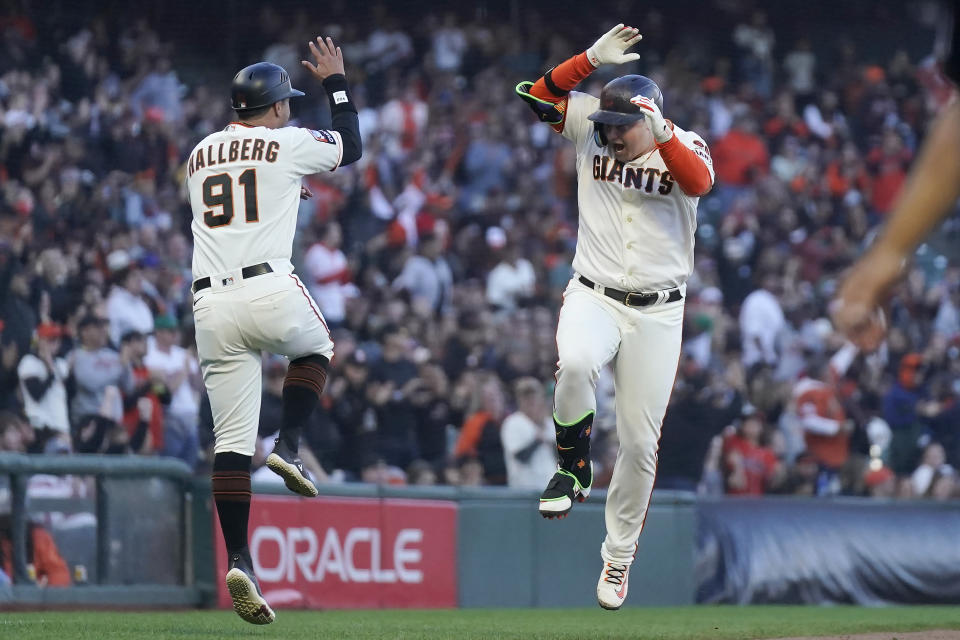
(612, 587)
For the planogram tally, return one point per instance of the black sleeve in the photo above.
(139, 435)
(344, 117)
(71, 384)
(37, 388)
(524, 455)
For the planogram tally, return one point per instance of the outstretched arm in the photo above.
(329, 71)
(547, 96)
(926, 199)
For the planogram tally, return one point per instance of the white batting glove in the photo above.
(658, 125)
(609, 49)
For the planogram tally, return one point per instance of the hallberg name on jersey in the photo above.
(606, 169)
(248, 149)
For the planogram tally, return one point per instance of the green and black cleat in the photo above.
(574, 478)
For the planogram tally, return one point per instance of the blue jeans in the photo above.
(180, 439)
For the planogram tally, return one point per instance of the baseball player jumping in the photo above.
(244, 186)
(640, 178)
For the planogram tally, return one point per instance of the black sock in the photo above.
(231, 492)
(302, 387)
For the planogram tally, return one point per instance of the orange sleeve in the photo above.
(688, 169)
(470, 435)
(554, 85)
(563, 77)
(47, 560)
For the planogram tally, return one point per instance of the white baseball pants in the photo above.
(644, 343)
(236, 319)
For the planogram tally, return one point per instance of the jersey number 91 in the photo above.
(218, 193)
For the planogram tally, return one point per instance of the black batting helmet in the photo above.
(260, 85)
(615, 105)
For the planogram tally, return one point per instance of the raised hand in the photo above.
(609, 49)
(328, 56)
(658, 125)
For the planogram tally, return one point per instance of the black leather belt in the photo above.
(246, 272)
(632, 298)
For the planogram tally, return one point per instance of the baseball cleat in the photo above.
(288, 466)
(612, 586)
(244, 590)
(557, 499)
(573, 479)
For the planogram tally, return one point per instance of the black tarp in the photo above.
(865, 552)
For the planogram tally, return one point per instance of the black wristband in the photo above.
(338, 92)
(551, 85)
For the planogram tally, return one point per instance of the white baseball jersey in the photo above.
(636, 234)
(244, 188)
(636, 224)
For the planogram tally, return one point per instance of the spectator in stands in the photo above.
(328, 274)
(16, 434)
(43, 376)
(751, 467)
(432, 411)
(375, 470)
(826, 429)
(756, 39)
(448, 45)
(48, 567)
(888, 163)
(700, 407)
(180, 373)
(528, 438)
(95, 367)
(354, 414)
(741, 156)
(801, 67)
(126, 307)
(900, 411)
(391, 381)
(18, 314)
(421, 472)
(51, 288)
(512, 281)
(160, 90)
(470, 472)
(402, 121)
(487, 162)
(479, 441)
(143, 402)
(762, 321)
(427, 277)
(803, 477)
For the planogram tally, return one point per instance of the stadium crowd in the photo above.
(439, 259)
